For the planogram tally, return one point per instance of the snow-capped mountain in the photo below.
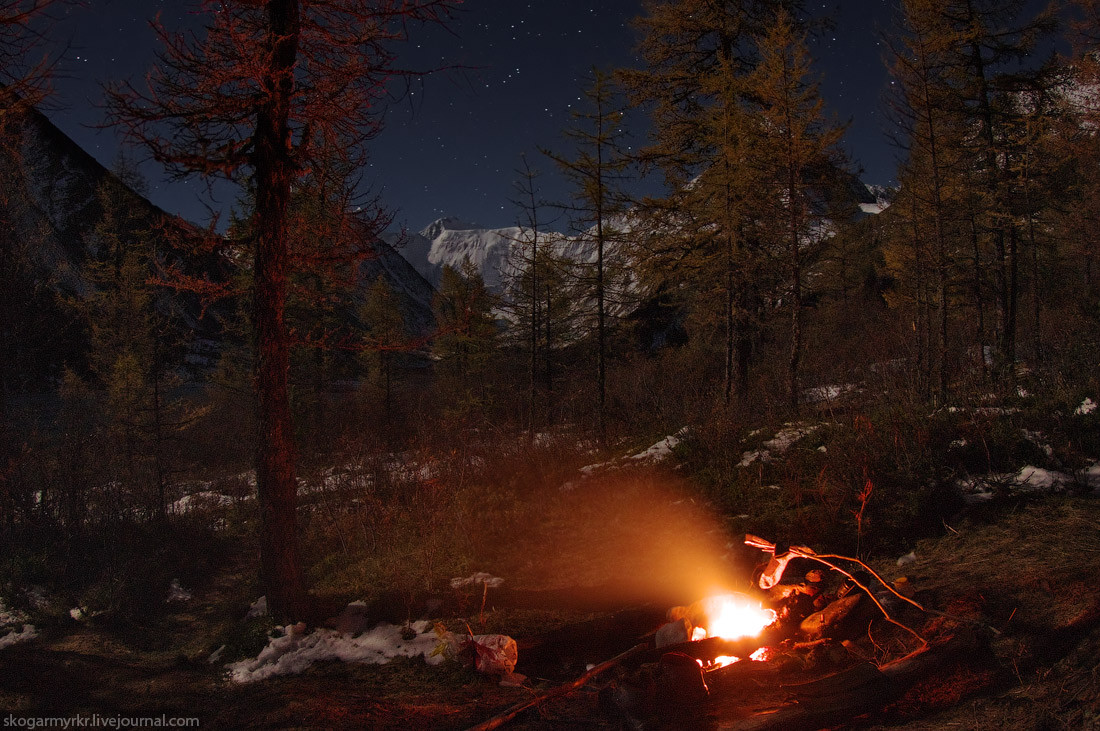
(493, 251)
(449, 241)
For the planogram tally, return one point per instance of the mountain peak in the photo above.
(447, 223)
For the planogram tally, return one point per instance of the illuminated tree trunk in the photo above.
(276, 480)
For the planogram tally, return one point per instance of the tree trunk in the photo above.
(1036, 304)
(1013, 304)
(276, 480)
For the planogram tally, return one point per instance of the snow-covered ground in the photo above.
(295, 650)
(657, 452)
(779, 444)
(1029, 479)
(13, 637)
(13, 627)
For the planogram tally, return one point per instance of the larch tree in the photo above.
(463, 309)
(930, 130)
(993, 40)
(696, 55)
(1078, 145)
(964, 73)
(793, 148)
(266, 90)
(131, 337)
(524, 267)
(25, 68)
(595, 173)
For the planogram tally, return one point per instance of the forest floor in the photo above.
(1029, 571)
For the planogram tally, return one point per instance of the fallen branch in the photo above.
(503, 718)
(827, 559)
(838, 698)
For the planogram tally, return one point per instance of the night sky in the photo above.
(453, 147)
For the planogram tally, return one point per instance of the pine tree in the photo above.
(268, 90)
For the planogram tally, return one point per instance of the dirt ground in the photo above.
(1023, 582)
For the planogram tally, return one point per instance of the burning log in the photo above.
(817, 624)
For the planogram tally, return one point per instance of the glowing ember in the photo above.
(698, 633)
(723, 660)
(762, 655)
(732, 616)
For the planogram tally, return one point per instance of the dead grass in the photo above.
(1033, 575)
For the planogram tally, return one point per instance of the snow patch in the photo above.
(478, 578)
(663, 449)
(823, 394)
(1027, 479)
(257, 609)
(200, 500)
(779, 444)
(295, 651)
(1090, 477)
(10, 616)
(177, 593)
(1036, 479)
(1037, 439)
(658, 452)
(11, 638)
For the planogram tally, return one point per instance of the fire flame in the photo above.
(732, 616)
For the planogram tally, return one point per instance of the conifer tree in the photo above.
(696, 55)
(384, 326)
(129, 335)
(793, 147)
(963, 86)
(267, 90)
(24, 66)
(524, 267)
(463, 309)
(931, 129)
(595, 172)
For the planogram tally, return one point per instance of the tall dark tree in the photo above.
(931, 131)
(794, 147)
(463, 309)
(696, 55)
(525, 266)
(595, 171)
(24, 65)
(267, 90)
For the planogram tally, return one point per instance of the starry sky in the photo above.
(453, 146)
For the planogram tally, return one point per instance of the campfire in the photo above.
(730, 619)
(796, 630)
(793, 623)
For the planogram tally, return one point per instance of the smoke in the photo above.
(638, 538)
